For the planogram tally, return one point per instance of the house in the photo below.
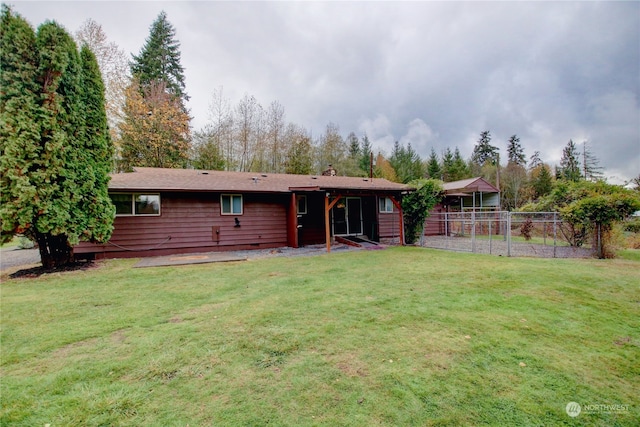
(171, 211)
(467, 195)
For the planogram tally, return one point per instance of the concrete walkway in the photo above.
(186, 259)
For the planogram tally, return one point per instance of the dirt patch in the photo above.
(30, 273)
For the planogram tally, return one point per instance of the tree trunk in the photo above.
(55, 251)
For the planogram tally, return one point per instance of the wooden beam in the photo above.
(327, 208)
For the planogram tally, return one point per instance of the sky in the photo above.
(432, 74)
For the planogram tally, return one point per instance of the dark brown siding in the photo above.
(389, 223)
(434, 224)
(188, 223)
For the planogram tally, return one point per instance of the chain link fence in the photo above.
(520, 234)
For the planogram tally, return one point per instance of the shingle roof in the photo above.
(468, 186)
(159, 179)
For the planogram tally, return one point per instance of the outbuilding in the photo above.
(467, 195)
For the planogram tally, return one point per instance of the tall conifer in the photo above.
(54, 162)
(159, 59)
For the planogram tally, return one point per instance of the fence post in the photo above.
(490, 236)
(473, 231)
(508, 234)
(555, 233)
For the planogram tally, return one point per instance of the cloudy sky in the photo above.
(433, 74)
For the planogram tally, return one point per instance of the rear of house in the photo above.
(173, 211)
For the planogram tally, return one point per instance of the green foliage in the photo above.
(417, 205)
(569, 169)
(515, 152)
(159, 59)
(541, 181)
(56, 152)
(365, 155)
(460, 168)
(207, 153)
(20, 148)
(484, 152)
(155, 131)
(434, 170)
(588, 207)
(632, 225)
(407, 163)
(299, 158)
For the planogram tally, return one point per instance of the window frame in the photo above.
(301, 198)
(231, 198)
(134, 200)
(387, 203)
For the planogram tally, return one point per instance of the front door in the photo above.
(354, 215)
(347, 216)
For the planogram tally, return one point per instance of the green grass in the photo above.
(404, 336)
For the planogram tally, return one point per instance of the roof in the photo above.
(467, 186)
(161, 179)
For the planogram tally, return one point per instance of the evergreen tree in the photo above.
(484, 152)
(20, 148)
(365, 155)
(354, 145)
(56, 151)
(95, 154)
(590, 165)
(459, 168)
(406, 162)
(159, 60)
(207, 153)
(155, 130)
(447, 165)
(515, 152)
(434, 171)
(569, 169)
(535, 160)
(541, 181)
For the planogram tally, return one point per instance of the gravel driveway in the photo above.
(16, 257)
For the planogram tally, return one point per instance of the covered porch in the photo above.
(320, 215)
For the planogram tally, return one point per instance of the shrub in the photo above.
(526, 228)
(632, 225)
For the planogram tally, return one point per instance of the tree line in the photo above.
(152, 129)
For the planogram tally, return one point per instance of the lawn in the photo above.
(399, 337)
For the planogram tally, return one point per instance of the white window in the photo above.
(136, 204)
(302, 204)
(231, 204)
(386, 205)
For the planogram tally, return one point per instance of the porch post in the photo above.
(326, 223)
(399, 206)
(327, 207)
(292, 222)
